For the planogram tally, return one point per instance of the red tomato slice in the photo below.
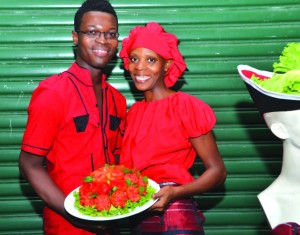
(119, 199)
(102, 202)
(117, 174)
(99, 175)
(84, 188)
(119, 184)
(142, 181)
(134, 179)
(86, 200)
(100, 188)
(133, 194)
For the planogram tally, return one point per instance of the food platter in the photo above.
(71, 209)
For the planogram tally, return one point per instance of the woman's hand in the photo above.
(165, 195)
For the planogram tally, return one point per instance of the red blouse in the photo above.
(157, 134)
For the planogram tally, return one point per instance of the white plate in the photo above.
(71, 209)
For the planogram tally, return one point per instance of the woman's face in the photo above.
(147, 69)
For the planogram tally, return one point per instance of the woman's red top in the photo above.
(156, 140)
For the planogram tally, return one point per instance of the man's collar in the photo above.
(84, 75)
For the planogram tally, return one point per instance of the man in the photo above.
(74, 120)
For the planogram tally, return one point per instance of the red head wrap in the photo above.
(153, 37)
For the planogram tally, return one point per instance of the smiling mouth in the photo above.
(142, 78)
(99, 52)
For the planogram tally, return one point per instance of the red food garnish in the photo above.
(133, 178)
(119, 184)
(118, 199)
(99, 188)
(102, 202)
(99, 175)
(112, 185)
(86, 200)
(133, 194)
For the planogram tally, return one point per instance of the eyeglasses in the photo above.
(95, 34)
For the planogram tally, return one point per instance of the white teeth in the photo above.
(142, 78)
(100, 52)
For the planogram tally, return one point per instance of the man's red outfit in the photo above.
(64, 124)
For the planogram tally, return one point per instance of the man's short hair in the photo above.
(93, 5)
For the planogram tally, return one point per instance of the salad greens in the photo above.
(286, 77)
(289, 60)
(113, 211)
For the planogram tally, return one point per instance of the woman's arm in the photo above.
(213, 176)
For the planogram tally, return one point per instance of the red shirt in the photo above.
(64, 125)
(156, 139)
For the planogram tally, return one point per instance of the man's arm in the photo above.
(31, 167)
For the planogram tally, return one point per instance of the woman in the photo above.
(166, 131)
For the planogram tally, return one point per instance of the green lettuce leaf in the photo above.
(286, 77)
(289, 59)
(288, 83)
(113, 211)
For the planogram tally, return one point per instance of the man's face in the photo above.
(95, 53)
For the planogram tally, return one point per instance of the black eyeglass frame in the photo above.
(107, 35)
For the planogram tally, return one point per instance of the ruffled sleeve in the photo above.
(197, 117)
